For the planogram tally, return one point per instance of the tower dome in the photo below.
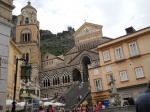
(28, 6)
(28, 15)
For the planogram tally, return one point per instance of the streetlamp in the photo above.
(26, 71)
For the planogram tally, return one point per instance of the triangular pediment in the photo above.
(88, 28)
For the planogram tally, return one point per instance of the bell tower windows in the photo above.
(26, 35)
(27, 21)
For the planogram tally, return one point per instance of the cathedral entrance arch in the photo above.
(76, 75)
(85, 62)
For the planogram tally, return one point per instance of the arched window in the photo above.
(65, 79)
(68, 78)
(26, 35)
(48, 82)
(27, 21)
(56, 81)
(53, 81)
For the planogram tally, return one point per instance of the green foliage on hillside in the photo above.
(56, 46)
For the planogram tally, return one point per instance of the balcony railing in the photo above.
(98, 89)
(119, 58)
(28, 93)
(134, 54)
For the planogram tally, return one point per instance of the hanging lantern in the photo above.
(26, 72)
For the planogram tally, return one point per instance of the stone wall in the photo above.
(119, 109)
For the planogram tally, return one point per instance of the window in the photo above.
(27, 21)
(68, 78)
(98, 86)
(123, 76)
(38, 93)
(26, 35)
(133, 49)
(119, 54)
(108, 68)
(26, 57)
(96, 72)
(48, 82)
(46, 95)
(106, 55)
(139, 72)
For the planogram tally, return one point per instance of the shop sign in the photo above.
(100, 97)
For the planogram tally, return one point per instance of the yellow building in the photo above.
(127, 59)
(14, 53)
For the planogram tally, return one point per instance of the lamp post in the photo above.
(14, 97)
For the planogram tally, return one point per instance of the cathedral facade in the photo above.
(59, 73)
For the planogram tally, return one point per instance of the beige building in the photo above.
(14, 53)
(50, 61)
(127, 59)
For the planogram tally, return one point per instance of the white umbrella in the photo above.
(40, 102)
(59, 104)
(21, 104)
(9, 102)
(48, 103)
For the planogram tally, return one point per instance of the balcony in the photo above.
(119, 58)
(27, 93)
(134, 54)
(98, 89)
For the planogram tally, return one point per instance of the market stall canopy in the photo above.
(48, 103)
(58, 104)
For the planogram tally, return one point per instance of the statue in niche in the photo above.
(112, 84)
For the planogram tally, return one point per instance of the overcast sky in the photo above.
(114, 15)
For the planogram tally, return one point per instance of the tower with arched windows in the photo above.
(28, 41)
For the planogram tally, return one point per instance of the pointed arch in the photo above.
(68, 78)
(48, 82)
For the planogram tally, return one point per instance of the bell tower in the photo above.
(28, 41)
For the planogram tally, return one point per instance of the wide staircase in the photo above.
(76, 91)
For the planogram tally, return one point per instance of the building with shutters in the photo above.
(126, 58)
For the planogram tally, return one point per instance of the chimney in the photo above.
(130, 30)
